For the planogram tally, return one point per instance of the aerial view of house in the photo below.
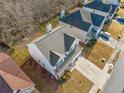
(62, 46)
(57, 51)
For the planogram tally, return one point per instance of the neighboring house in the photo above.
(102, 7)
(12, 78)
(56, 51)
(84, 22)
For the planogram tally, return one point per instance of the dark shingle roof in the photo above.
(4, 87)
(68, 40)
(53, 58)
(97, 19)
(113, 9)
(75, 19)
(98, 5)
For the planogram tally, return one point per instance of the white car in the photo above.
(105, 35)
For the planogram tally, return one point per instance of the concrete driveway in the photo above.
(116, 82)
(92, 72)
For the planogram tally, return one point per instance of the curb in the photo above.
(112, 71)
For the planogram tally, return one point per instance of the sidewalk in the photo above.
(92, 72)
(116, 82)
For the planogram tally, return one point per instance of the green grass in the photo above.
(20, 55)
(122, 1)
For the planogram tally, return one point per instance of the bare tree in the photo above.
(19, 18)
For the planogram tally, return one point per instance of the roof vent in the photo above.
(49, 28)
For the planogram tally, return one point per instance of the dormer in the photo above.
(56, 59)
(69, 42)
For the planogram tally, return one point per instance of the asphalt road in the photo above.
(116, 82)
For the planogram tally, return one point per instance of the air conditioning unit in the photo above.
(49, 28)
(62, 14)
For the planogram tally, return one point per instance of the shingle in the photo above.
(55, 42)
(52, 42)
(113, 9)
(98, 5)
(53, 58)
(75, 19)
(97, 19)
(68, 40)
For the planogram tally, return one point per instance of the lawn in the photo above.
(76, 84)
(97, 52)
(20, 54)
(121, 12)
(114, 29)
(116, 58)
(122, 1)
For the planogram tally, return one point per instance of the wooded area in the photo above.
(19, 18)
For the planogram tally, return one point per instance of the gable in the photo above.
(53, 58)
(75, 19)
(97, 19)
(68, 41)
(4, 88)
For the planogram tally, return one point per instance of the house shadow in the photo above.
(44, 81)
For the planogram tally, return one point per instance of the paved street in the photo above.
(116, 82)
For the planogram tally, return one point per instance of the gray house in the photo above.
(56, 51)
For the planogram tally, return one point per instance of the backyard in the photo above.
(76, 84)
(115, 29)
(121, 12)
(99, 51)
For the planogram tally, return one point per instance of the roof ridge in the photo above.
(46, 35)
(3, 75)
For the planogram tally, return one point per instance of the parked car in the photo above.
(105, 35)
